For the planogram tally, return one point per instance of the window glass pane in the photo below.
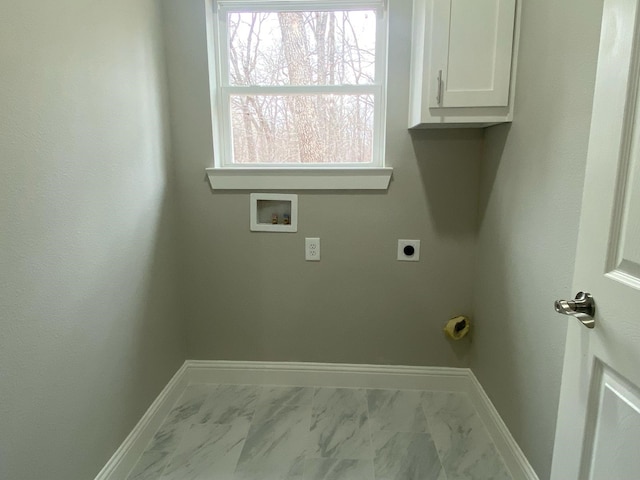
(302, 48)
(294, 129)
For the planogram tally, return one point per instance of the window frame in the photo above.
(221, 90)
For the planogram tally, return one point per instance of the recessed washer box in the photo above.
(273, 212)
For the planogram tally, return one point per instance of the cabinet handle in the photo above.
(439, 97)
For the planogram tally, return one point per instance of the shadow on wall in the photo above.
(449, 164)
(145, 328)
(451, 192)
(490, 165)
(493, 263)
(522, 262)
(161, 330)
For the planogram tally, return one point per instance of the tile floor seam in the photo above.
(253, 414)
(426, 417)
(484, 425)
(182, 439)
(373, 450)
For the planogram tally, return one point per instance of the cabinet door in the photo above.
(472, 42)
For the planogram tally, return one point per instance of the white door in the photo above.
(598, 430)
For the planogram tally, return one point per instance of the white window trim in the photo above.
(343, 176)
(300, 178)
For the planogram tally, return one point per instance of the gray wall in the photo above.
(531, 187)
(88, 326)
(91, 328)
(251, 296)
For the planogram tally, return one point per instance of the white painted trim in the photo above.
(328, 375)
(257, 90)
(319, 374)
(125, 457)
(299, 178)
(511, 452)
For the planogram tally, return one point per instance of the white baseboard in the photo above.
(319, 374)
(328, 375)
(124, 459)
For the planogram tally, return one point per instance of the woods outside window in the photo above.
(298, 84)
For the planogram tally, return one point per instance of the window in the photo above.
(298, 85)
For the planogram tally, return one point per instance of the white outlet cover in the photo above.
(312, 249)
(409, 243)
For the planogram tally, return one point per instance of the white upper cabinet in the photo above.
(463, 62)
(471, 52)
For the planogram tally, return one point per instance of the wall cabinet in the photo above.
(464, 56)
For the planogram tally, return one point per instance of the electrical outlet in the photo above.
(408, 250)
(312, 249)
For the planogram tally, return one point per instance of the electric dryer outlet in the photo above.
(409, 250)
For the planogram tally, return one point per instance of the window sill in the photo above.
(300, 178)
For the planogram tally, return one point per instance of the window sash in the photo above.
(223, 33)
(227, 93)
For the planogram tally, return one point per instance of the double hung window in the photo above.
(298, 84)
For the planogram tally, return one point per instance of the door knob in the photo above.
(583, 307)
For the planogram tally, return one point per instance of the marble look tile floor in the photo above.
(252, 432)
